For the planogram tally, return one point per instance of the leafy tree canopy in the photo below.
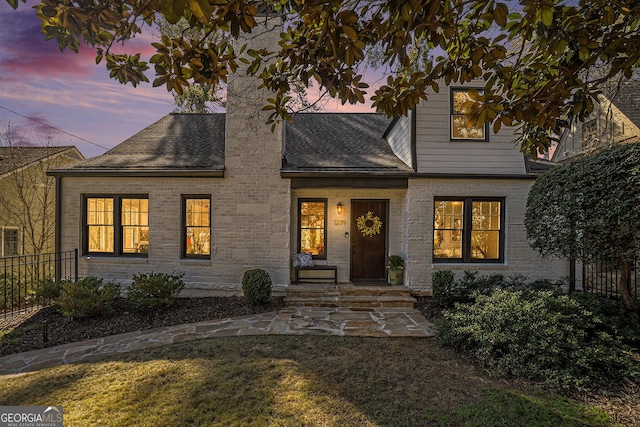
(542, 62)
(588, 210)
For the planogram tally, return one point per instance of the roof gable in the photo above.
(16, 157)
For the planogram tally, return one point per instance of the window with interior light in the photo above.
(116, 225)
(460, 130)
(312, 227)
(468, 230)
(196, 226)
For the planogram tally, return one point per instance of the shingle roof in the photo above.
(330, 142)
(325, 142)
(12, 158)
(539, 166)
(176, 141)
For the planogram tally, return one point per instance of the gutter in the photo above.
(403, 175)
(125, 173)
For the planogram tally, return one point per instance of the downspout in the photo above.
(58, 234)
(414, 148)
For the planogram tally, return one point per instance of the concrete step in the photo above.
(348, 295)
(351, 301)
(346, 290)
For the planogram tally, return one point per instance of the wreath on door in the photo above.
(369, 224)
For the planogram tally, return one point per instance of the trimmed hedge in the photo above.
(154, 291)
(87, 297)
(256, 286)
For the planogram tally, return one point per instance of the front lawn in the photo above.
(293, 381)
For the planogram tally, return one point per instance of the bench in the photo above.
(317, 268)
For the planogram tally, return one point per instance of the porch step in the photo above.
(349, 296)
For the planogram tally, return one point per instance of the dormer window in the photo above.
(460, 130)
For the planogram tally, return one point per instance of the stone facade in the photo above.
(254, 203)
(519, 258)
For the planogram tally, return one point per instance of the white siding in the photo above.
(436, 153)
(399, 138)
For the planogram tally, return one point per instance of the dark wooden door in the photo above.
(368, 242)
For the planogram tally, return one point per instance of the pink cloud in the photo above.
(24, 53)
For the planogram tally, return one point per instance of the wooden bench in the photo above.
(317, 268)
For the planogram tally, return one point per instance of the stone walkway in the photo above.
(378, 322)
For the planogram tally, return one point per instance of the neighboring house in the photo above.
(27, 197)
(215, 195)
(615, 120)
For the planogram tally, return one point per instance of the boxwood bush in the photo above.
(447, 290)
(256, 286)
(154, 291)
(87, 297)
(539, 335)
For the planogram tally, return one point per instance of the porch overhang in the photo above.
(346, 181)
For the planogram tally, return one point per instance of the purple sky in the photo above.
(70, 92)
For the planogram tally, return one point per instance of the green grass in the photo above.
(14, 335)
(290, 381)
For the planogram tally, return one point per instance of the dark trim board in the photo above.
(125, 173)
(386, 183)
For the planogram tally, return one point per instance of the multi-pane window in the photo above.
(589, 133)
(135, 226)
(116, 225)
(468, 230)
(197, 226)
(460, 129)
(100, 226)
(312, 229)
(10, 242)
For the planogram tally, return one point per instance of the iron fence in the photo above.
(23, 278)
(603, 278)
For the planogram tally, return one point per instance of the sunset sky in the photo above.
(68, 91)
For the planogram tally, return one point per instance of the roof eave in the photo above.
(140, 172)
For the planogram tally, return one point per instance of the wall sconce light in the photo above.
(339, 208)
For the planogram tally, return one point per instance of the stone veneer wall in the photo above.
(250, 205)
(519, 257)
(339, 243)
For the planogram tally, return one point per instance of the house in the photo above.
(27, 197)
(615, 120)
(214, 195)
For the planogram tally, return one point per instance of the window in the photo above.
(10, 240)
(196, 226)
(459, 127)
(312, 229)
(135, 226)
(589, 133)
(116, 225)
(468, 230)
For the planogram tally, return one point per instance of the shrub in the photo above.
(447, 290)
(443, 284)
(256, 286)
(49, 290)
(87, 297)
(537, 335)
(153, 291)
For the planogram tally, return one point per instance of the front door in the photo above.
(368, 239)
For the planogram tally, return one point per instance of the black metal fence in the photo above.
(22, 278)
(603, 278)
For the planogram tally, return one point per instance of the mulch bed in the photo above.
(124, 318)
